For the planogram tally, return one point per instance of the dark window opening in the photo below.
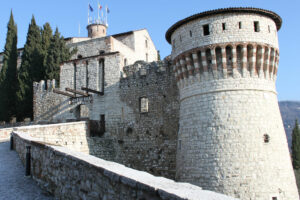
(75, 72)
(173, 43)
(269, 29)
(256, 26)
(191, 34)
(87, 74)
(266, 138)
(79, 56)
(206, 29)
(274, 198)
(77, 112)
(102, 52)
(146, 43)
(129, 130)
(240, 25)
(101, 75)
(180, 38)
(224, 26)
(102, 124)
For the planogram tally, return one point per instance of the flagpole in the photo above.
(106, 15)
(98, 12)
(88, 14)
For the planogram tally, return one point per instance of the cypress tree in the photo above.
(8, 76)
(296, 146)
(57, 53)
(46, 39)
(31, 70)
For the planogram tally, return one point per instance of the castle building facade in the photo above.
(208, 114)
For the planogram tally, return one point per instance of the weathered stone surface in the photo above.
(53, 168)
(231, 138)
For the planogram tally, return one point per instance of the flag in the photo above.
(91, 8)
(100, 7)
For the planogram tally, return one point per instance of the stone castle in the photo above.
(207, 114)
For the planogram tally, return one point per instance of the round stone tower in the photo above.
(96, 30)
(231, 137)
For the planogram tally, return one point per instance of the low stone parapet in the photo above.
(72, 135)
(74, 175)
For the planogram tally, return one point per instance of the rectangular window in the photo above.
(191, 34)
(146, 43)
(102, 124)
(174, 43)
(224, 26)
(240, 25)
(269, 29)
(205, 29)
(101, 75)
(87, 75)
(75, 78)
(274, 198)
(144, 104)
(256, 26)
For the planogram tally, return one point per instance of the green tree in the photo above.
(57, 53)
(158, 55)
(46, 40)
(296, 146)
(31, 70)
(8, 75)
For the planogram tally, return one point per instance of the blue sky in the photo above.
(157, 16)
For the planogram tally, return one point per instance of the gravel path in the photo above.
(13, 184)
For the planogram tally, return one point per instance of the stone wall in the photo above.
(141, 140)
(184, 40)
(71, 175)
(147, 140)
(70, 135)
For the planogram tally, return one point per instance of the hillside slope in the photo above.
(290, 110)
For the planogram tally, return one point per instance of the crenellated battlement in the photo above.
(146, 73)
(43, 85)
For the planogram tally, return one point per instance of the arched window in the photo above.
(79, 56)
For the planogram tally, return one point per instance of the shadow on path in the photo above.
(13, 184)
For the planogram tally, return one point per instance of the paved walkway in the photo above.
(13, 184)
